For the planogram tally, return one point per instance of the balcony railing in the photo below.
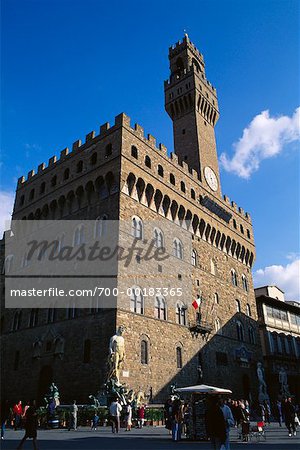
(200, 327)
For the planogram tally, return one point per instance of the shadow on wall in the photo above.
(227, 359)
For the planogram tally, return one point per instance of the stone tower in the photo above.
(122, 174)
(191, 102)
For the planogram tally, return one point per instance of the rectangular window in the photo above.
(221, 359)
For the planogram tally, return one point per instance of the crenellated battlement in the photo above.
(179, 77)
(122, 120)
(237, 209)
(90, 138)
(179, 45)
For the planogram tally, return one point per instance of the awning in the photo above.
(203, 388)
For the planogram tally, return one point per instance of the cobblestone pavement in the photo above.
(148, 438)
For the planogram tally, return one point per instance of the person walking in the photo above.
(289, 414)
(177, 420)
(115, 413)
(168, 414)
(94, 422)
(73, 416)
(279, 412)
(215, 423)
(5, 414)
(267, 412)
(141, 416)
(31, 425)
(229, 420)
(17, 410)
(128, 417)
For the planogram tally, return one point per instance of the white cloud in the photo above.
(287, 278)
(264, 138)
(6, 207)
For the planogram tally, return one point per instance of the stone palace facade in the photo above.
(121, 174)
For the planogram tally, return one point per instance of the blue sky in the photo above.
(70, 65)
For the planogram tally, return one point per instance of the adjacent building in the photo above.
(279, 329)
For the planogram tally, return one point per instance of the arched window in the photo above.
(248, 310)
(193, 194)
(160, 170)
(95, 305)
(244, 283)
(251, 334)
(25, 261)
(240, 331)
(100, 226)
(216, 298)
(33, 318)
(179, 357)
(31, 195)
(148, 161)
(59, 244)
(234, 277)
(78, 238)
(218, 326)
(136, 300)
(51, 316)
(93, 159)
(160, 308)
(242, 229)
(22, 199)
(134, 152)
(66, 174)
(87, 351)
(108, 150)
(79, 166)
(234, 223)
(71, 311)
(181, 313)
(177, 248)
(144, 351)
(54, 181)
(172, 179)
(248, 234)
(275, 343)
(238, 306)
(137, 228)
(212, 267)
(158, 238)
(16, 324)
(182, 186)
(7, 265)
(194, 258)
(42, 187)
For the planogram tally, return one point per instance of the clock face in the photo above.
(211, 178)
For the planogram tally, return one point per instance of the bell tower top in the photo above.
(191, 102)
(183, 56)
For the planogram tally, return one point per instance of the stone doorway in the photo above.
(246, 387)
(45, 379)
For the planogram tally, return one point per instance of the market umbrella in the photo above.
(203, 388)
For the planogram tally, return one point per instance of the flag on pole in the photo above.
(196, 303)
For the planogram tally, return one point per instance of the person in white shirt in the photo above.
(115, 413)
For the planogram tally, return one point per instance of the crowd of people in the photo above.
(20, 416)
(115, 412)
(220, 416)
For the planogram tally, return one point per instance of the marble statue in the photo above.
(262, 394)
(283, 381)
(116, 355)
